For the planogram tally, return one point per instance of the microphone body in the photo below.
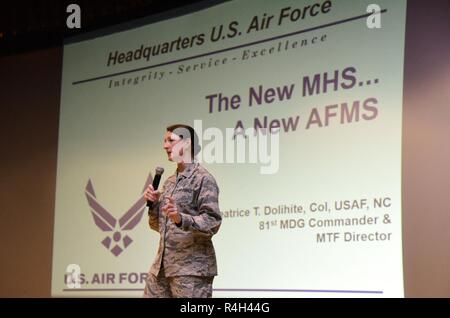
(158, 172)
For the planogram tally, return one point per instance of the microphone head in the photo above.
(159, 170)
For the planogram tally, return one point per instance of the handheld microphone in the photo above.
(158, 172)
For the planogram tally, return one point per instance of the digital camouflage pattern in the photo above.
(178, 286)
(187, 250)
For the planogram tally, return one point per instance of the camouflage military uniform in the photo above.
(186, 264)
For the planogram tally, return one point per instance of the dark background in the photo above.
(30, 76)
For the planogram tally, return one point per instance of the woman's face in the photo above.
(170, 140)
(176, 147)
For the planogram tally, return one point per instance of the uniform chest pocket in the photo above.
(184, 196)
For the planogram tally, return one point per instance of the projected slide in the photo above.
(298, 108)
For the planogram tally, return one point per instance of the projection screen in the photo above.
(298, 108)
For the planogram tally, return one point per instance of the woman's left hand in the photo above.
(171, 211)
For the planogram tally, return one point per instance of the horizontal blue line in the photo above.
(102, 289)
(303, 290)
(245, 290)
(228, 49)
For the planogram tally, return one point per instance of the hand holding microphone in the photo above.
(151, 195)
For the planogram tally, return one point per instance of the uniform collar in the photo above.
(188, 170)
